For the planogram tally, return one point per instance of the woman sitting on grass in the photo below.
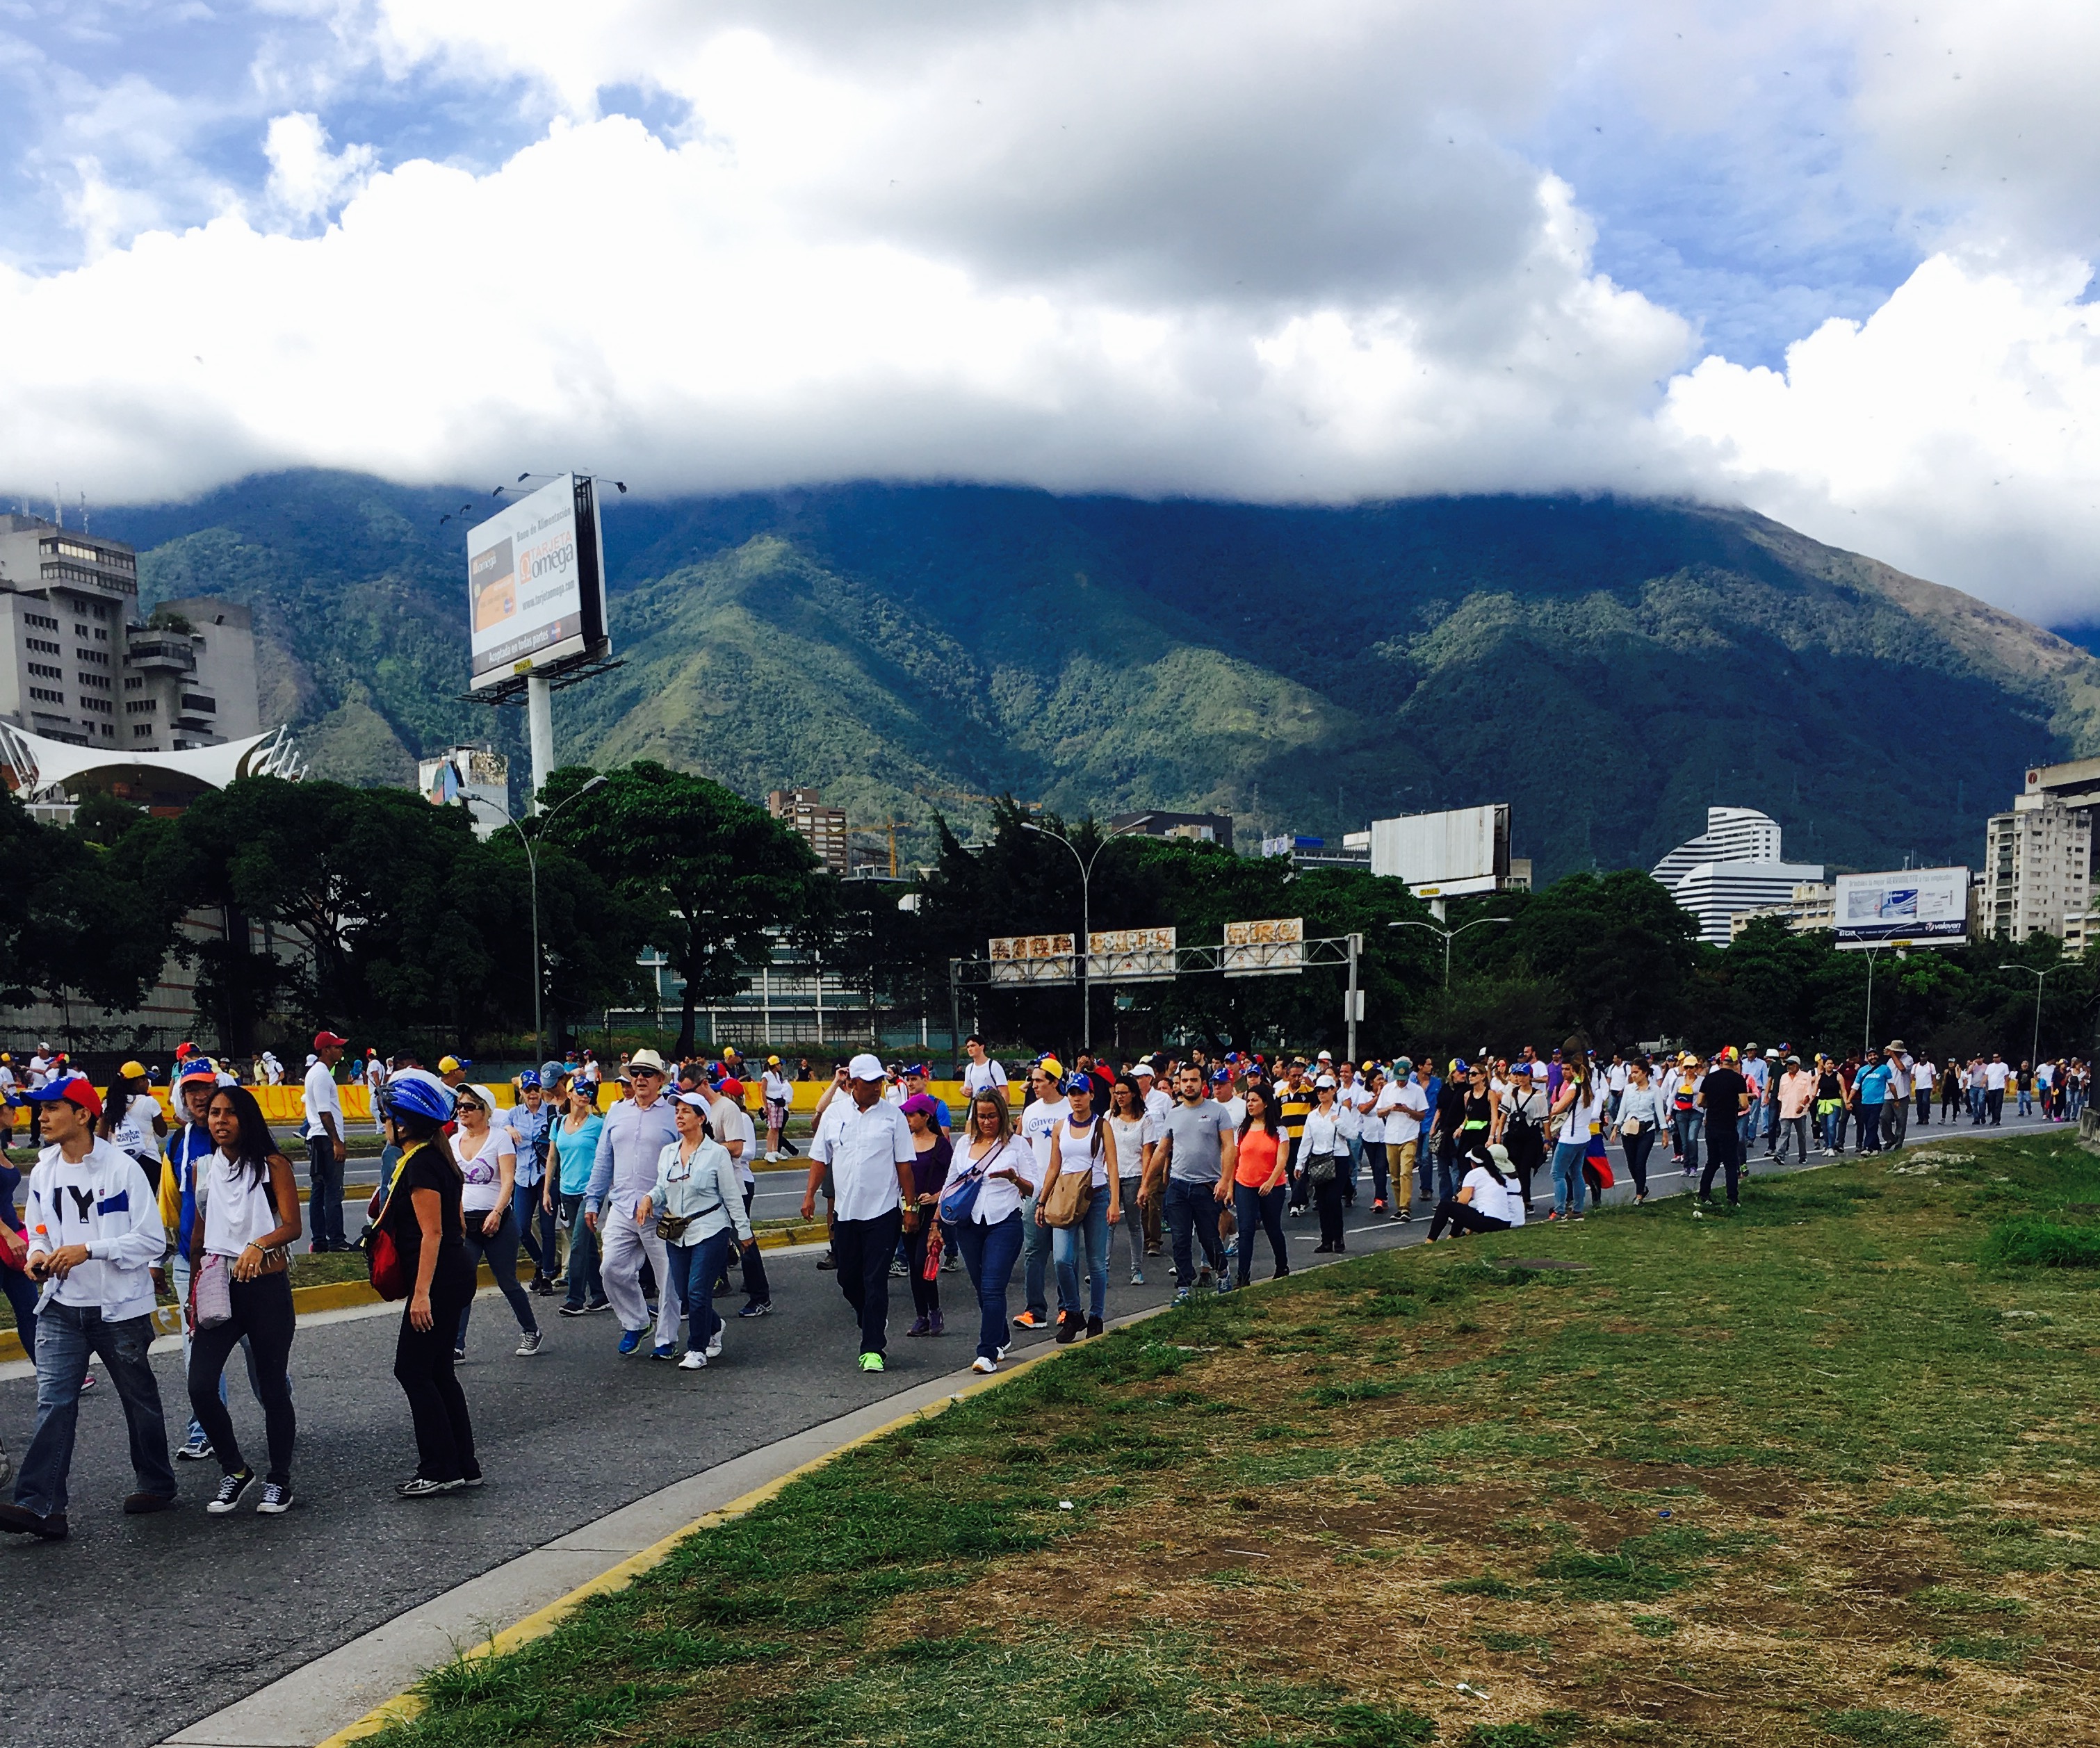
(1482, 1203)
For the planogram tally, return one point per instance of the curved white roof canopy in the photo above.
(40, 764)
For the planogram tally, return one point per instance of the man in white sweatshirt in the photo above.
(94, 1235)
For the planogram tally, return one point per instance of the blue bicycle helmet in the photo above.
(416, 1092)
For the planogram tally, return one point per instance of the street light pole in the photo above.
(532, 874)
(2034, 1048)
(1085, 915)
(1447, 934)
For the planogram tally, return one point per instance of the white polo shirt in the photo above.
(864, 1148)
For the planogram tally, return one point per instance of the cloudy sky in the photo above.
(1829, 259)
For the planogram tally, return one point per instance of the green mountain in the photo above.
(1610, 667)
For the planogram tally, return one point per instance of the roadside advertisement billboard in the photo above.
(536, 583)
(1920, 907)
(1264, 949)
(1034, 959)
(1445, 854)
(1128, 956)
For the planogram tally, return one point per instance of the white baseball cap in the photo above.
(1144, 1068)
(865, 1068)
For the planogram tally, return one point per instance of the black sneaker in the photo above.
(599, 1305)
(827, 1261)
(757, 1308)
(231, 1487)
(276, 1499)
(566, 1309)
(416, 1487)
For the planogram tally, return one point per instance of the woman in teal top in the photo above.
(575, 1142)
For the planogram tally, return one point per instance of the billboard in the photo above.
(1445, 854)
(1034, 959)
(1125, 956)
(1920, 907)
(1264, 949)
(536, 583)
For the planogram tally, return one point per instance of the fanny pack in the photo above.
(672, 1227)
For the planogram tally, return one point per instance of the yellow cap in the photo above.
(133, 1071)
(447, 1065)
(1051, 1067)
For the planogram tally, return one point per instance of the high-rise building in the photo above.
(78, 665)
(804, 812)
(1734, 866)
(2037, 868)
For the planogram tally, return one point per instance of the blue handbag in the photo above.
(959, 1201)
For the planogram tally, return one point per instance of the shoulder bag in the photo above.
(959, 1201)
(1073, 1194)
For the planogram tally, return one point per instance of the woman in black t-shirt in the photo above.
(422, 1215)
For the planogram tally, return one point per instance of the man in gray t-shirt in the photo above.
(1191, 1170)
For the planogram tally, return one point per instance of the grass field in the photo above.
(1825, 1472)
(1819, 1472)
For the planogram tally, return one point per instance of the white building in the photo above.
(2038, 865)
(77, 667)
(1734, 866)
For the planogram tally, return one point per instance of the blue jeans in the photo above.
(1569, 1186)
(989, 1253)
(585, 1286)
(694, 1271)
(1262, 1210)
(1349, 1171)
(1089, 1236)
(325, 1176)
(1870, 1128)
(1449, 1177)
(1034, 1260)
(1374, 1152)
(1690, 1125)
(2027, 1101)
(66, 1335)
(1192, 1207)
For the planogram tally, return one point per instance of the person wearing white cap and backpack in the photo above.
(867, 1145)
(637, 1130)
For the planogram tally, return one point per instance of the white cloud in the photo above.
(1956, 433)
(306, 180)
(1211, 246)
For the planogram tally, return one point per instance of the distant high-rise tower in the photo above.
(1733, 866)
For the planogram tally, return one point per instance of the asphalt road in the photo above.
(136, 1627)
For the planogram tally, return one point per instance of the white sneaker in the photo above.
(981, 1364)
(693, 1361)
(773, 1158)
(714, 1345)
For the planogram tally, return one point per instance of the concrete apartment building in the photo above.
(804, 812)
(2038, 857)
(78, 665)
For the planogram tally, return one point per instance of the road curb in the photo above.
(405, 1706)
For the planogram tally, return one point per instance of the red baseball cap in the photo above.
(76, 1090)
(323, 1038)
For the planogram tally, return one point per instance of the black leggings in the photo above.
(1327, 1193)
(423, 1368)
(262, 1312)
(925, 1294)
(1460, 1217)
(1637, 1146)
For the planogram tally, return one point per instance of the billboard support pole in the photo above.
(1356, 946)
(540, 730)
(956, 1017)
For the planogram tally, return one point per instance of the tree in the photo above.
(73, 920)
(709, 871)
